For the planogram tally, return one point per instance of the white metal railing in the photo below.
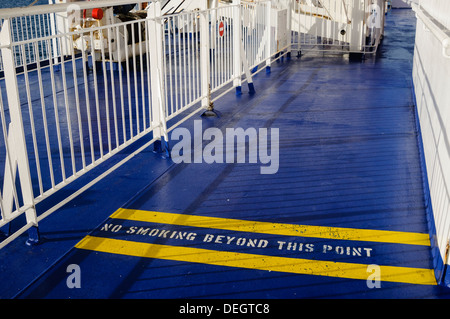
(94, 82)
(437, 29)
(324, 25)
(96, 89)
(431, 66)
(26, 28)
(354, 26)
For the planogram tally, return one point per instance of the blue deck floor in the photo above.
(349, 161)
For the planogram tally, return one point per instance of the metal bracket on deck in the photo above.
(162, 146)
(248, 74)
(210, 112)
(33, 236)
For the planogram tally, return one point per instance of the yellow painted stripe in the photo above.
(257, 262)
(274, 228)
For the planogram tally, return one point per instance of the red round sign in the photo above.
(221, 28)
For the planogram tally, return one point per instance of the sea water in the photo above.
(19, 3)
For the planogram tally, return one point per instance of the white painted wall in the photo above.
(439, 9)
(431, 76)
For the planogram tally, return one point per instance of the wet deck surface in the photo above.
(347, 194)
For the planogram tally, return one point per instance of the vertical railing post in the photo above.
(240, 62)
(204, 57)
(268, 35)
(16, 138)
(155, 49)
(299, 30)
(237, 35)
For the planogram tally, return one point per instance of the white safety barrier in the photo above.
(83, 81)
(97, 81)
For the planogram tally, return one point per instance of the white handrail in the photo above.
(120, 107)
(442, 34)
